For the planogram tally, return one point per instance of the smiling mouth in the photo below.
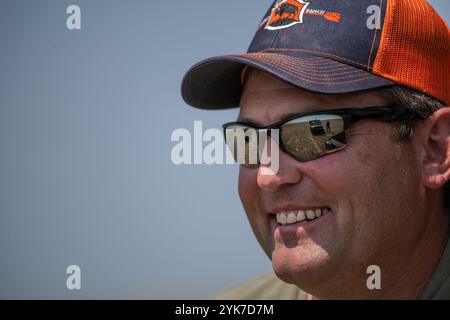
(295, 216)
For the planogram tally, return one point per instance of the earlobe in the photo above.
(436, 161)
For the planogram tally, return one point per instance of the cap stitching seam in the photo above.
(315, 51)
(298, 76)
(333, 63)
(308, 67)
(312, 73)
(374, 40)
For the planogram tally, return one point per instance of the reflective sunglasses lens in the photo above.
(243, 144)
(311, 137)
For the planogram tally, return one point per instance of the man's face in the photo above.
(371, 187)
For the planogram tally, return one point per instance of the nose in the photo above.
(288, 173)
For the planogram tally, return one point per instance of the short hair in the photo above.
(422, 106)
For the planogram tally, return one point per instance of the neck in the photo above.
(413, 277)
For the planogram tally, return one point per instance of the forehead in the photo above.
(267, 99)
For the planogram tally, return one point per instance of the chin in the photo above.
(301, 266)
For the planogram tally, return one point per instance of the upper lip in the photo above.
(293, 208)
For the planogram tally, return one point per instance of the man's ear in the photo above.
(436, 161)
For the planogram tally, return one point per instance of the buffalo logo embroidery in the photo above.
(287, 13)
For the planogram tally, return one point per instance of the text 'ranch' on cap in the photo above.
(334, 47)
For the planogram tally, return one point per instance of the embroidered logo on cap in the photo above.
(287, 13)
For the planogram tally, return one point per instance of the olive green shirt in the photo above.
(269, 287)
(265, 287)
(438, 288)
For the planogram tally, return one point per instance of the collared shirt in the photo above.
(438, 288)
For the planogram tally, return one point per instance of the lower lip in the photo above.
(301, 229)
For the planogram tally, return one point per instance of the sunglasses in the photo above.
(306, 136)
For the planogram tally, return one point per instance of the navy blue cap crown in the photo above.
(318, 45)
(347, 31)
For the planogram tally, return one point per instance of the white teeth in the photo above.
(310, 214)
(318, 213)
(301, 215)
(290, 217)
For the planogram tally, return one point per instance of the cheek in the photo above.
(370, 181)
(360, 170)
(250, 195)
(248, 190)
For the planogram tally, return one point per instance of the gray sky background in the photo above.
(86, 177)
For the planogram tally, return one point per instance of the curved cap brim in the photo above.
(215, 83)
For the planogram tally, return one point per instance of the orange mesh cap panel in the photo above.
(415, 48)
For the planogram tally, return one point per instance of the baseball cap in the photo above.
(334, 47)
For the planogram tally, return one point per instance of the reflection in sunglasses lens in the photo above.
(305, 139)
(243, 144)
(311, 137)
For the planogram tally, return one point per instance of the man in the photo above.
(367, 195)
